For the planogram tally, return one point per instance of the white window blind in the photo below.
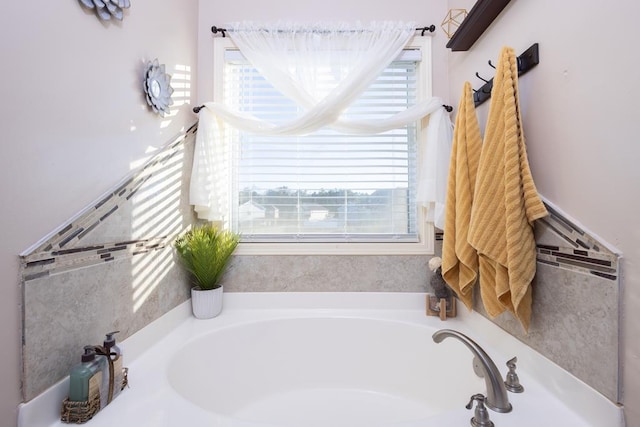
(325, 186)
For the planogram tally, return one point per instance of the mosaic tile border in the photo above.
(571, 233)
(62, 251)
(44, 264)
(585, 254)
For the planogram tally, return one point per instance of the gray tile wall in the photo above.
(574, 324)
(65, 312)
(327, 274)
(112, 268)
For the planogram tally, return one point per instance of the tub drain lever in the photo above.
(481, 415)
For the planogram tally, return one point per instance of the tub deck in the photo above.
(552, 396)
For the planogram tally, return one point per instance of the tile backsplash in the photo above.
(112, 268)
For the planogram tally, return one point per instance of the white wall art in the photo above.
(107, 9)
(157, 87)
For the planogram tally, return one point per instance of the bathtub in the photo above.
(325, 360)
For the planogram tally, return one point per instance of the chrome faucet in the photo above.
(497, 398)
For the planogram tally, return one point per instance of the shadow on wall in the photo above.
(157, 211)
(181, 84)
(109, 268)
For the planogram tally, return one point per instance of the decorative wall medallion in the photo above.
(157, 88)
(107, 9)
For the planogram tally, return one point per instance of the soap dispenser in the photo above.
(85, 379)
(115, 354)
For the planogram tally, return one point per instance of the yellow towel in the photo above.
(459, 258)
(506, 203)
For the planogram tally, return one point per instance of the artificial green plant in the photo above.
(205, 251)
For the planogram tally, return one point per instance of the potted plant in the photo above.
(205, 252)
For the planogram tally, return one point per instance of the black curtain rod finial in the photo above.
(198, 108)
(431, 28)
(216, 30)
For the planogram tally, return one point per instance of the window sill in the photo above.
(424, 247)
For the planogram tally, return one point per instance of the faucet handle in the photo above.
(513, 382)
(481, 415)
(478, 397)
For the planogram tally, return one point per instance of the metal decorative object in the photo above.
(453, 20)
(157, 87)
(107, 9)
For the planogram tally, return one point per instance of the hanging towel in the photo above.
(459, 258)
(432, 181)
(505, 203)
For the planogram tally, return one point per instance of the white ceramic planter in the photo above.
(206, 304)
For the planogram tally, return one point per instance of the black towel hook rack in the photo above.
(526, 61)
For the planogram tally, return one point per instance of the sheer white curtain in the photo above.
(289, 57)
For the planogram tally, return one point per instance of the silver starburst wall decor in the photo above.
(107, 9)
(157, 87)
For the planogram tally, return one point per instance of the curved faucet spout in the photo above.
(497, 398)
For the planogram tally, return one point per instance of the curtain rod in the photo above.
(224, 31)
(197, 109)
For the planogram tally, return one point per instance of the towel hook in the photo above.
(518, 64)
(478, 76)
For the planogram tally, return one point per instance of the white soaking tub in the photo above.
(324, 371)
(326, 360)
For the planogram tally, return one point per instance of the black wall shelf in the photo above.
(479, 18)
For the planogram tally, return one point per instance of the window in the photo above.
(343, 193)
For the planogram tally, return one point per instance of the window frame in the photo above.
(426, 232)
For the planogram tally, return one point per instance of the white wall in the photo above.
(74, 122)
(580, 112)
